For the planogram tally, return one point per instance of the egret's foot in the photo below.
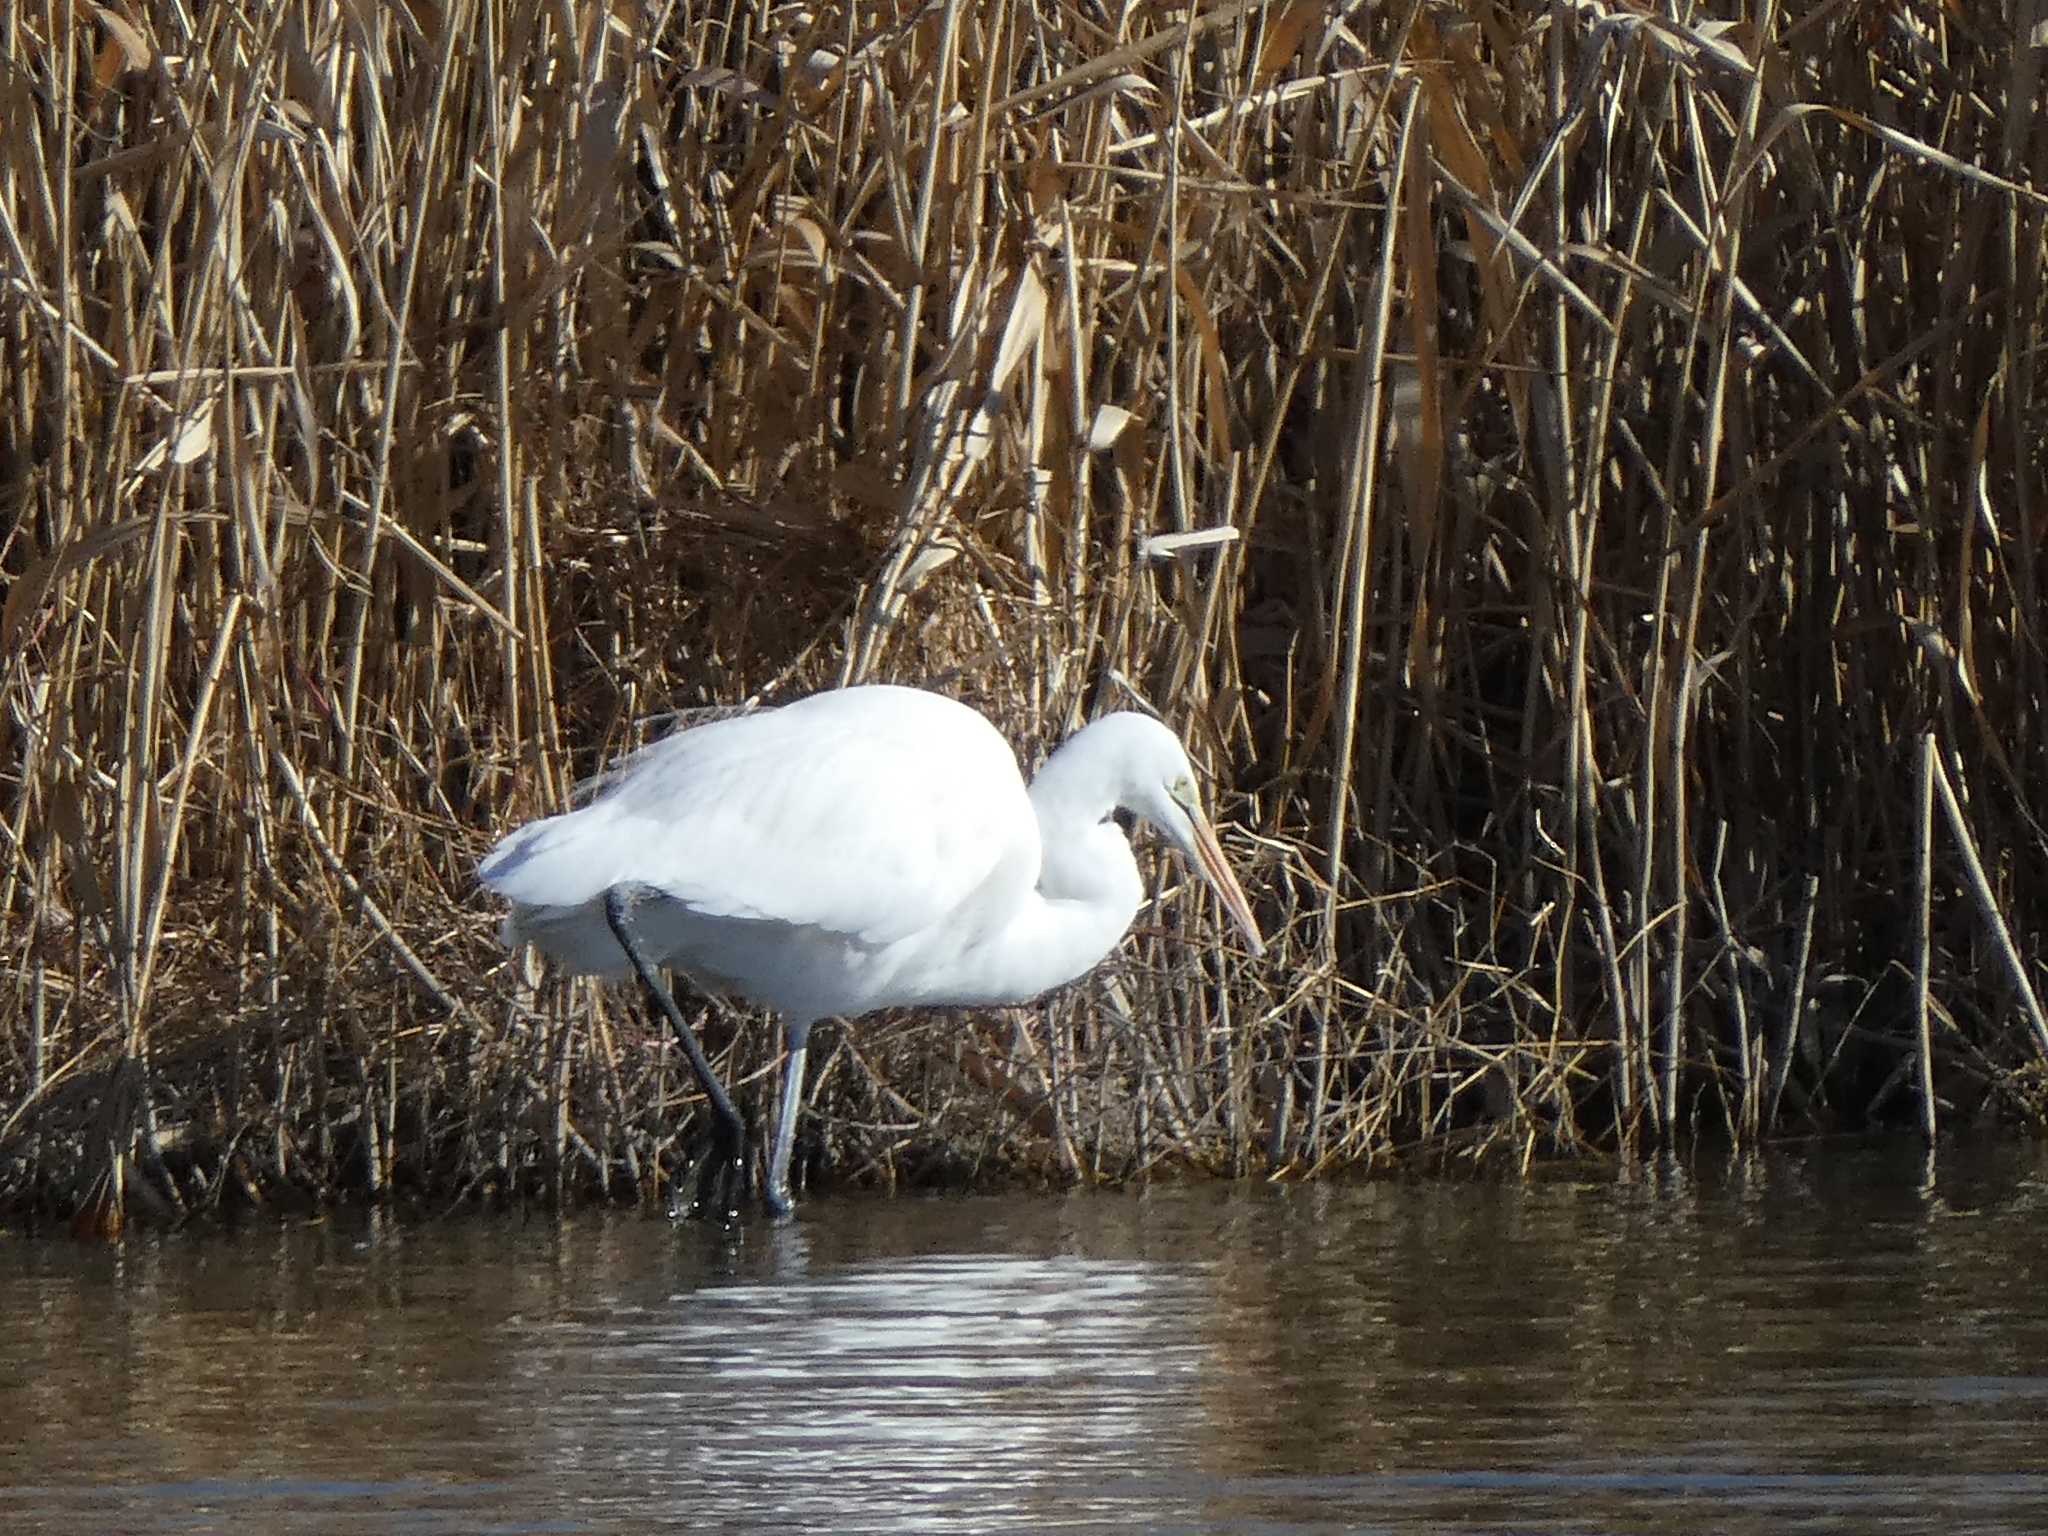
(778, 1202)
(721, 1184)
(721, 1188)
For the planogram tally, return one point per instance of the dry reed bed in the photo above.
(1574, 473)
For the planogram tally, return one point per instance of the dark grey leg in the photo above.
(724, 1175)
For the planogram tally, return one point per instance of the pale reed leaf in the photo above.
(1109, 424)
(136, 51)
(1164, 546)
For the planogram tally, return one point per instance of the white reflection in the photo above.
(915, 1392)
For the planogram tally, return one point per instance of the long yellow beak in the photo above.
(1216, 870)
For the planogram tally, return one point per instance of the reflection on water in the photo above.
(1817, 1345)
(939, 1388)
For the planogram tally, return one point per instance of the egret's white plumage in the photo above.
(863, 848)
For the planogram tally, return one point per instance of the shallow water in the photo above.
(1816, 1343)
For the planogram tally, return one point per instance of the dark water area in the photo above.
(1816, 1342)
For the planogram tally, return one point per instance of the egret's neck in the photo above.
(1083, 853)
(1088, 883)
(1088, 891)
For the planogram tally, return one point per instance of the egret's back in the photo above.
(820, 833)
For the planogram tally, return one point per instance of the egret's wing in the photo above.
(864, 813)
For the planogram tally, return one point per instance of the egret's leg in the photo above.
(725, 1172)
(779, 1200)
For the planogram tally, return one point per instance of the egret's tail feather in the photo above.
(560, 863)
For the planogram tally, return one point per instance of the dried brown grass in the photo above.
(1623, 434)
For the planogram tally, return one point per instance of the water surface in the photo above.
(1817, 1343)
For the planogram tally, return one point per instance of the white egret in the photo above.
(864, 848)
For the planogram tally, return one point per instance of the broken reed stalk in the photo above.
(1987, 903)
(1926, 767)
(1505, 444)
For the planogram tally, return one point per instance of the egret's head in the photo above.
(1156, 783)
